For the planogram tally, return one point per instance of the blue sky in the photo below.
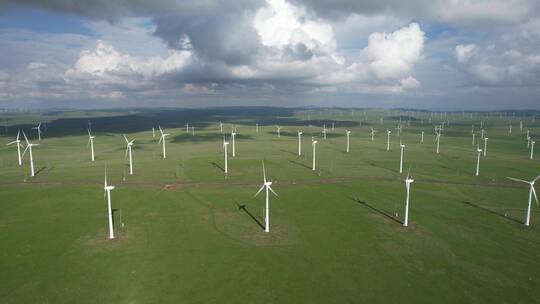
(423, 54)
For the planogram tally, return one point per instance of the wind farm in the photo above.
(349, 223)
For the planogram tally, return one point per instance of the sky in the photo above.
(424, 54)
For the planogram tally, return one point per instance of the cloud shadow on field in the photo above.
(377, 210)
(492, 212)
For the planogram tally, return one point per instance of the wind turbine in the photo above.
(408, 181)
(300, 143)
(192, 130)
(438, 139)
(531, 193)
(324, 131)
(278, 131)
(233, 136)
(348, 135)
(18, 142)
(485, 146)
(187, 127)
(153, 132)
(162, 139)
(29, 147)
(266, 186)
(332, 127)
(388, 132)
(91, 144)
(473, 139)
(532, 149)
(422, 138)
(221, 127)
(38, 128)
(479, 152)
(225, 144)
(107, 192)
(372, 133)
(402, 146)
(129, 145)
(314, 144)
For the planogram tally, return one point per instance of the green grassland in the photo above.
(193, 235)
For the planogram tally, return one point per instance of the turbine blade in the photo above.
(262, 187)
(25, 138)
(24, 152)
(88, 132)
(160, 139)
(264, 172)
(18, 133)
(536, 178)
(125, 155)
(534, 193)
(270, 188)
(125, 138)
(11, 143)
(88, 144)
(517, 180)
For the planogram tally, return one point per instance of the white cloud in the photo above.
(465, 52)
(393, 55)
(280, 23)
(105, 62)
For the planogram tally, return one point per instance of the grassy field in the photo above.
(193, 235)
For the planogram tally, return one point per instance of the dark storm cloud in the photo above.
(220, 37)
(113, 9)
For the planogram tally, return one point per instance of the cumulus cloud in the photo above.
(392, 55)
(465, 52)
(105, 62)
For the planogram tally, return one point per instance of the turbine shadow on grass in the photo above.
(242, 207)
(217, 166)
(40, 170)
(300, 164)
(380, 211)
(289, 152)
(492, 212)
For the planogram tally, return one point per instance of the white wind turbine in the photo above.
(187, 127)
(266, 186)
(314, 144)
(162, 140)
(278, 131)
(485, 146)
(300, 142)
(478, 152)
(422, 138)
(388, 132)
(107, 192)
(402, 146)
(18, 142)
(532, 149)
(29, 147)
(408, 181)
(372, 133)
(91, 144)
(153, 132)
(473, 139)
(438, 139)
(531, 193)
(348, 133)
(233, 136)
(221, 127)
(129, 145)
(225, 144)
(324, 131)
(38, 128)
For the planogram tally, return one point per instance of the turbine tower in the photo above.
(38, 128)
(18, 142)
(408, 181)
(91, 144)
(402, 146)
(388, 132)
(225, 144)
(107, 192)
(531, 193)
(29, 147)
(348, 135)
(314, 144)
(300, 143)
(266, 186)
(162, 140)
(479, 152)
(485, 146)
(532, 149)
(129, 145)
(233, 136)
